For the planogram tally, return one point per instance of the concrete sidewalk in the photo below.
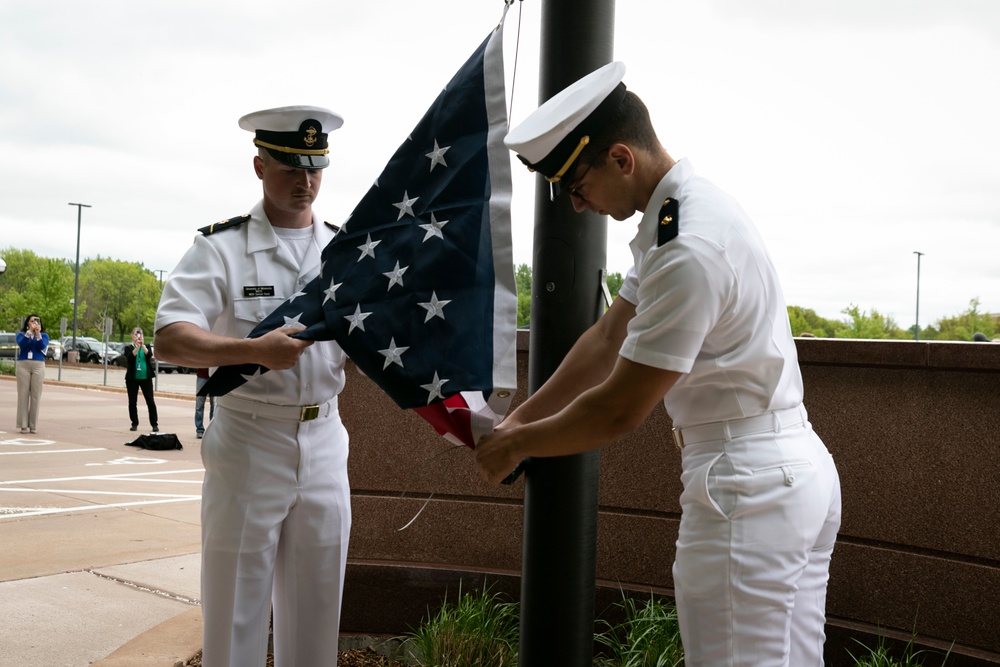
(99, 541)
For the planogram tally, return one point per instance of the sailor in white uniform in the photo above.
(701, 324)
(276, 513)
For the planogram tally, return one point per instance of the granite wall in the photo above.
(913, 427)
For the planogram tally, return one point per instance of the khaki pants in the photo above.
(30, 376)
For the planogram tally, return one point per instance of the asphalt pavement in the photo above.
(99, 541)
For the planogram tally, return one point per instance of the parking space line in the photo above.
(57, 451)
(125, 476)
(160, 477)
(91, 508)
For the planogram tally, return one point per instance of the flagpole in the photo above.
(560, 494)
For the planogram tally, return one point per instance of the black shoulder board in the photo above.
(232, 223)
(335, 228)
(669, 224)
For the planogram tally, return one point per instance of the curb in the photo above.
(172, 643)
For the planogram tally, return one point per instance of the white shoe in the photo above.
(24, 430)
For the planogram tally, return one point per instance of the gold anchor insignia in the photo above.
(310, 137)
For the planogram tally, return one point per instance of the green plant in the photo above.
(880, 656)
(648, 637)
(480, 630)
(6, 368)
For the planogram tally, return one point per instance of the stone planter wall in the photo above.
(914, 428)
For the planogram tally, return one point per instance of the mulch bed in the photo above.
(367, 657)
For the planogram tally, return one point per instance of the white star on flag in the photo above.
(254, 375)
(368, 249)
(387, 240)
(433, 228)
(393, 354)
(435, 307)
(434, 388)
(395, 276)
(331, 291)
(406, 206)
(357, 320)
(295, 296)
(293, 321)
(437, 155)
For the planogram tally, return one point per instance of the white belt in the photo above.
(285, 413)
(769, 422)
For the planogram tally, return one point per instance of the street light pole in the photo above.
(916, 328)
(76, 280)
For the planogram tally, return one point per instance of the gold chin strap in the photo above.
(584, 140)
(297, 151)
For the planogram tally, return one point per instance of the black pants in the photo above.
(133, 387)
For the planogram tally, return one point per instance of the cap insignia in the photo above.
(310, 139)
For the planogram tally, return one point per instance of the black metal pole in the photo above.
(916, 327)
(76, 279)
(560, 494)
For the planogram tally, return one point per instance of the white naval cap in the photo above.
(550, 140)
(295, 135)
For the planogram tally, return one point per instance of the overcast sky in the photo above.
(854, 132)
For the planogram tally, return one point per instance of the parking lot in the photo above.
(100, 539)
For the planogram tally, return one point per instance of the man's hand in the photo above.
(277, 350)
(496, 455)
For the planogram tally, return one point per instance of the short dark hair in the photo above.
(631, 124)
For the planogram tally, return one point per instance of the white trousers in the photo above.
(276, 518)
(760, 515)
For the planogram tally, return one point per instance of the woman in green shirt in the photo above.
(139, 371)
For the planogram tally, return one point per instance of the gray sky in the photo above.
(854, 132)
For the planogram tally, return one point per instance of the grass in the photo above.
(648, 637)
(6, 368)
(481, 630)
(880, 656)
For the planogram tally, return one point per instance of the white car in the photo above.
(54, 350)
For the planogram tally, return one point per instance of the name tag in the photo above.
(29, 356)
(251, 291)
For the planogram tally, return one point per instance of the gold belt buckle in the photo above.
(678, 437)
(308, 413)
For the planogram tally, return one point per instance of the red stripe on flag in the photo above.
(450, 416)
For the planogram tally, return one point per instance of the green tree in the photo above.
(873, 326)
(615, 281)
(125, 292)
(965, 324)
(805, 320)
(50, 293)
(34, 284)
(522, 278)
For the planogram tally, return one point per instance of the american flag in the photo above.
(418, 285)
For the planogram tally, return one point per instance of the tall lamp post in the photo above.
(916, 328)
(76, 280)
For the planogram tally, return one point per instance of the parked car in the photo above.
(162, 366)
(8, 345)
(54, 350)
(118, 347)
(167, 367)
(91, 350)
